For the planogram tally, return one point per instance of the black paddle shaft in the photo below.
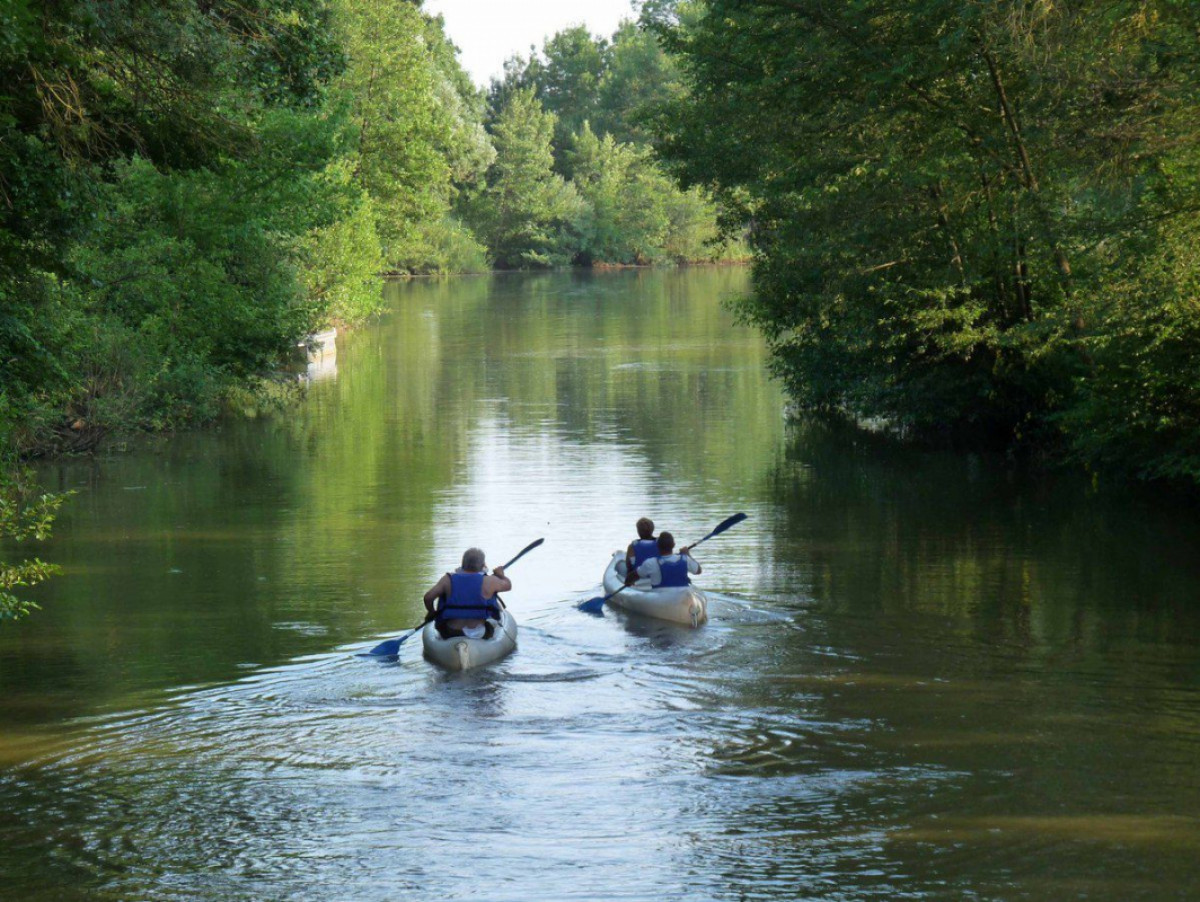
(524, 551)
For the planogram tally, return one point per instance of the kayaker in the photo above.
(668, 568)
(468, 598)
(641, 549)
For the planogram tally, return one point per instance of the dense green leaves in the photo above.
(972, 219)
(627, 216)
(389, 84)
(187, 188)
(527, 213)
(620, 207)
(26, 513)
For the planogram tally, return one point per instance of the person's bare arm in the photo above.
(687, 551)
(629, 556)
(440, 589)
(497, 582)
(645, 571)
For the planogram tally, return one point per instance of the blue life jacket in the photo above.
(674, 573)
(466, 601)
(643, 550)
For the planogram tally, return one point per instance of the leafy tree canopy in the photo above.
(971, 219)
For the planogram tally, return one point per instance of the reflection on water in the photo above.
(924, 676)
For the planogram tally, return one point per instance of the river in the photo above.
(925, 676)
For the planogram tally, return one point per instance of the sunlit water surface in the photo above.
(925, 676)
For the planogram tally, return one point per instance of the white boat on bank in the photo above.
(678, 604)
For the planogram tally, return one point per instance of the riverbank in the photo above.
(739, 259)
(122, 391)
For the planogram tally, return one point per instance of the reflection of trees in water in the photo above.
(648, 358)
(191, 551)
(1019, 557)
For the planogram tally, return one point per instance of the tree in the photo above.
(639, 76)
(114, 120)
(568, 80)
(626, 219)
(946, 198)
(391, 88)
(601, 93)
(527, 212)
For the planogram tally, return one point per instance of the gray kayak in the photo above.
(461, 653)
(679, 604)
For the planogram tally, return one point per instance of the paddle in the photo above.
(389, 648)
(596, 605)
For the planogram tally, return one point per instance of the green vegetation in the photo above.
(162, 165)
(527, 211)
(575, 179)
(26, 513)
(974, 221)
(188, 188)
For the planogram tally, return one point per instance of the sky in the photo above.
(490, 31)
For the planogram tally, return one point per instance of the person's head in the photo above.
(472, 560)
(666, 543)
(645, 528)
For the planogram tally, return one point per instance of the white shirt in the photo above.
(653, 572)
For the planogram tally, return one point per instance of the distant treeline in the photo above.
(974, 221)
(575, 178)
(188, 187)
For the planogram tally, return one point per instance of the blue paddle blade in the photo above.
(383, 649)
(724, 525)
(592, 605)
(389, 648)
(524, 551)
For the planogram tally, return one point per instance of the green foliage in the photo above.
(186, 189)
(969, 219)
(195, 263)
(1137, 405)
(26, 512)
(528, 213)
(568, 81)
(390, 85)
(626, 220)
(466, 144)
(639, 77)
(343, 261)
(162, 166)
(452, 248)
(599, 93)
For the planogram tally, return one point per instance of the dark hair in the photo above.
(645, 528)
(666, 542)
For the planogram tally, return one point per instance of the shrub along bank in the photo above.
(975, 221)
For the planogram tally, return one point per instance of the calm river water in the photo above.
(925, 676)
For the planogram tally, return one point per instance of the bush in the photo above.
(26, 512)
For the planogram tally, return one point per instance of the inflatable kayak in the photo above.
(679, 604)
(461, 653)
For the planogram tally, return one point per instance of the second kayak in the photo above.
(678, 604)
